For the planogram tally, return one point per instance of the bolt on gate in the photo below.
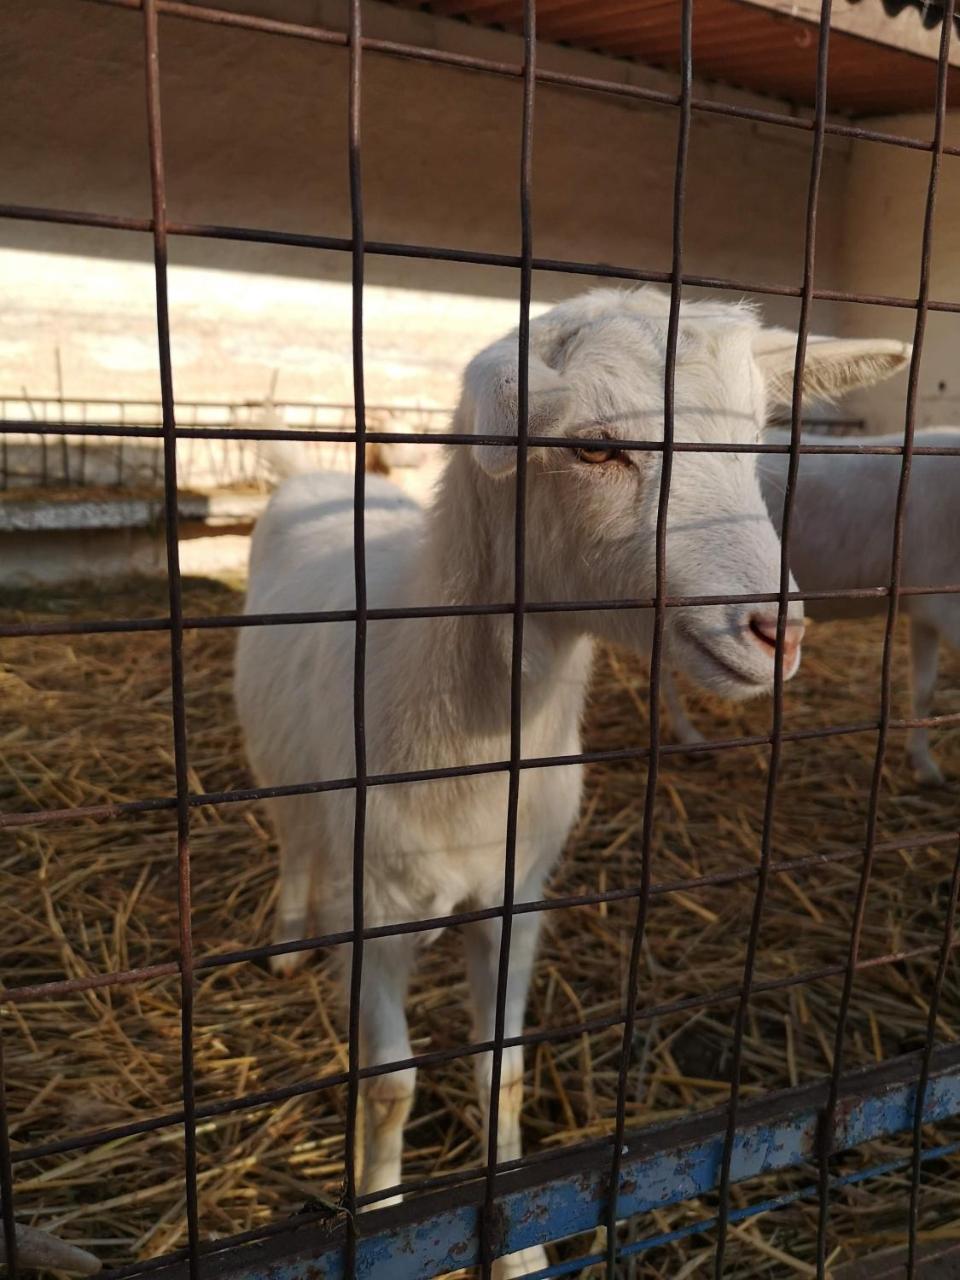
(473, 1218)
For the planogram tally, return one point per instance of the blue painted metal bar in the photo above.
(664, 1165)
(572, 1265)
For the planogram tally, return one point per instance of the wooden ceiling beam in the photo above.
(868, 21)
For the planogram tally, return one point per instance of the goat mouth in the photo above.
(729, 670)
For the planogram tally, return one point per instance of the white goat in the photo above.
(438, 689)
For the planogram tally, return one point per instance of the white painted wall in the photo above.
(255, 135)
(883, 218)
(255, 130)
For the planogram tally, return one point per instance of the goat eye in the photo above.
(598, 455)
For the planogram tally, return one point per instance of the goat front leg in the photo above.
(295, 915)
(482, 942)
(924, 641)
(385, 1099)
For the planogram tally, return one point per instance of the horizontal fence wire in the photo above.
(102, 812)
(378, 248)
(558, 79)
(540, 1035)
(444, 438)
(159, 227)
(789, 866)
(226, 621)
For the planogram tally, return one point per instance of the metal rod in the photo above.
(933, 1013)
(443, 438)
(886, 679)
(437, 1232)
(776, 745)
(492, 66)
(41, 817)
(159, 203)
(6, 1175)
(542, 1035)
(489, 1234)
(228, 621)
(360, 641)
(791, 866)
(390, 249)
(659, 621)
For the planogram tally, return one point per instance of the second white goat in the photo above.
(842, 538)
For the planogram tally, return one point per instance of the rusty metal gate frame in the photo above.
(503, 1206)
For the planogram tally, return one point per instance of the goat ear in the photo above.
(489, 405)
(832, 365)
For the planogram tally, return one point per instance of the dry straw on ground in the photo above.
(86, 719)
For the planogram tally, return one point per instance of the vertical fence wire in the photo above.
(488, 1219)
(886, 677)
(118, 478)
(933, 1013)
(6, 1176)
(83, 450)
(659, 620)
(776, 745)
(64, 442)
(175, 588)
(360, 636)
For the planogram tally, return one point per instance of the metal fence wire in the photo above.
(476, 1216)
(29, 460)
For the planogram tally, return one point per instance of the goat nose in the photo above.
(763, 628)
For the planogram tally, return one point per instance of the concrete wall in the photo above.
(883, 220)
(255, 135)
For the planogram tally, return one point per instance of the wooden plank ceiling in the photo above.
(735, 43)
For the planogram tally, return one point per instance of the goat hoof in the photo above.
(523, 1263)
(928, 774)
(287, 964)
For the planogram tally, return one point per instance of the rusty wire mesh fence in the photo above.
(485, 1198)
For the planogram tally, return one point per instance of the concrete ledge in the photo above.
(58, 512)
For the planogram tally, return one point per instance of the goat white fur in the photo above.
(842, 536)
(42, 1251)
(438, 689)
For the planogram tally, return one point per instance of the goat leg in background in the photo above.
(683, 728)
(41, 1251)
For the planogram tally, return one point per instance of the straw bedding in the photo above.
(86, 719)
